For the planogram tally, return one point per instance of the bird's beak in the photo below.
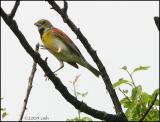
(37, 24)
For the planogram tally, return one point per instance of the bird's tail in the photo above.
(92, 69)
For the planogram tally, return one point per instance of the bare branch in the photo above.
(55, 80)
(13, 12)
(30, 82)
(94, 56)
(62, 11)
(55, 6)
(65, 7)
(156, 19)
(149, 108)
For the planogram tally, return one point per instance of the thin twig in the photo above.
(75, 92)
(149, 108)
(55, 80)
(30, 82)
(94, 56)
(13, 12)
(130, 75)
(125, 95)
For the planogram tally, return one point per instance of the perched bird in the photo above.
(61, 46)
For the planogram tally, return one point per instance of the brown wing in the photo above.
(67, 40)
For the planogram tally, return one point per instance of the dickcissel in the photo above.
(61, 46)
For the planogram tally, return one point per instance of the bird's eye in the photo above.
(43, 22)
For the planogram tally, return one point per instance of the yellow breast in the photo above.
(52, 42)
(47, 39)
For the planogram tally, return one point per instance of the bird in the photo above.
(61, 46)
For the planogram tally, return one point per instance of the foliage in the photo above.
(76, 94)
(140, 68)
(138, 102)
(119, 82)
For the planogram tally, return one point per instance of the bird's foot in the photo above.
(46, 74)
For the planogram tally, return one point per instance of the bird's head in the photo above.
(43, 25)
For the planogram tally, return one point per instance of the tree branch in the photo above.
(149, 108)
(55, 80)
(13, 12)
(156, 19)
(65, 7)
(30, 82)
(94, 56)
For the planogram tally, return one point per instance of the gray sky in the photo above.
(123, 33)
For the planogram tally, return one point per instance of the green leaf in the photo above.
(137, 112)
(143, 108)
(130, 111)
(154, 113)
(119, 82)
(124, 68)
(156, 91)
(145, 98)
(156, 103)
(4, 114)
(136, 92)
(140, 68)
(125, 91)
(125, 102)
